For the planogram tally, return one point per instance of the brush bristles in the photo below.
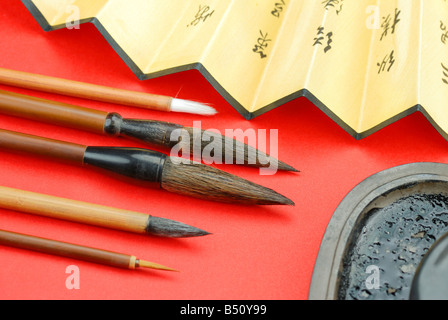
(153, 265)
(233, 151)
(187, 106)
(205, 182)
(173, 229)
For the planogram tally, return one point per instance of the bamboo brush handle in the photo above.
(52, 112)
(72, 210)
(60, 150)
(84, 90)
(68, 250)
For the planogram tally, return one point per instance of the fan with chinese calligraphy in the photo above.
(365, 63)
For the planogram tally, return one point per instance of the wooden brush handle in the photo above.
(58, 113)
(141, 165)
(72, 210)
(84, 90)
(60, 150)
(65, 249)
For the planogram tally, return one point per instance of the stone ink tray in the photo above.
(386, 224)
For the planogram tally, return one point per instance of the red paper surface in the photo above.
(253, 252)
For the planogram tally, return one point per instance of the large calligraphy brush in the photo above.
(150, 167)
(69, 250)
(94, 214)
(156, 133)
(101, 93)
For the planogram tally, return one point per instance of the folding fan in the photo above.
(365, 63)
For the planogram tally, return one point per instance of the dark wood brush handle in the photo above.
(65, 249)
(53, 112)
(24, 143)
(138, 164)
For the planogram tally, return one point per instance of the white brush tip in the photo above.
(180, 105)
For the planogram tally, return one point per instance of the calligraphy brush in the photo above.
(69, 250)
(155, 133)
(94, 214)
(101, 93)
(149, 167)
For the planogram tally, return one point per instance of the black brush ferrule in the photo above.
(112, 125)
(154, 132)
(141, 165)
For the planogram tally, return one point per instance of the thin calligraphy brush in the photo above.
(101, 93)
(94, 214)
(150, 167)
(69, 250)
(156, 133)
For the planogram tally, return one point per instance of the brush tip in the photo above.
(153, 265)
(286, 167)
(188, 106)
(172, 229)
(288, 202)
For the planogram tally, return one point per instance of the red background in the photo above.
(253, 252)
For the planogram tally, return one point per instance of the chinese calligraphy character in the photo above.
(445, 32)
(261, 45)
(445, 73)
(278, 8)
(337, 4)
(388, 60)
(202, 14)
(321, 36)
(389, 24)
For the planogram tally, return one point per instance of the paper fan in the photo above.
(365, 63)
